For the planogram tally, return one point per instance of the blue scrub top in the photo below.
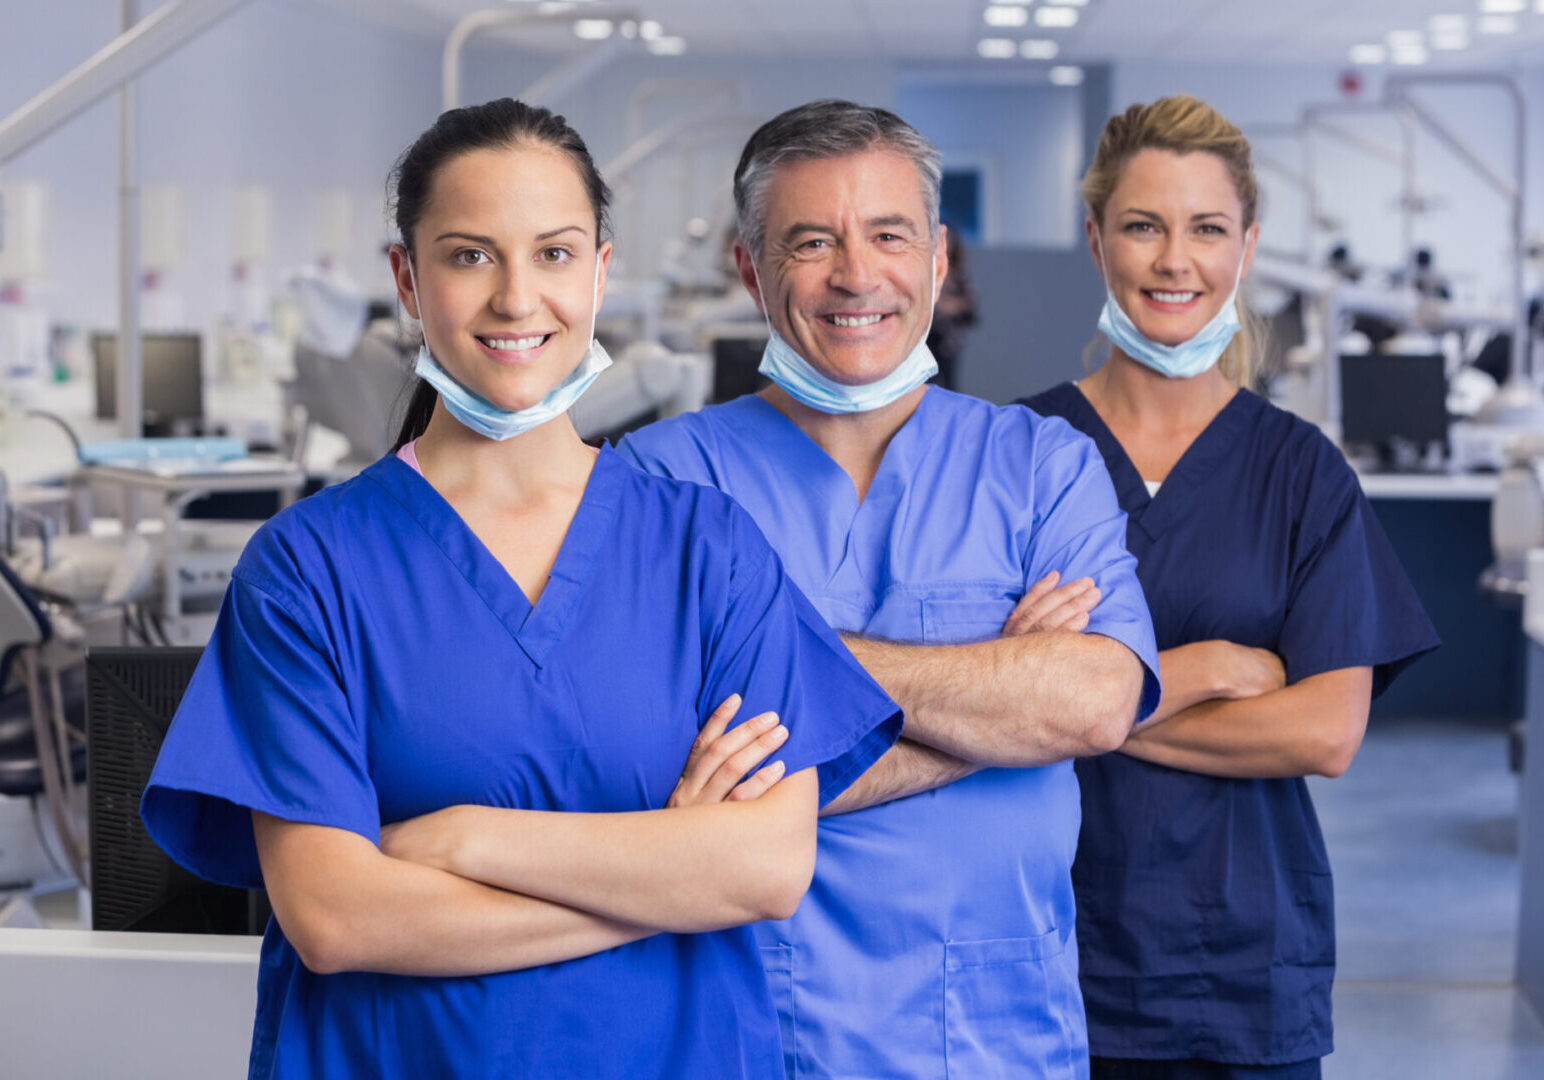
(937, 939)
(373, 662)
(1205, 908)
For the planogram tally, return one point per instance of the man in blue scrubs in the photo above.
(937, 939)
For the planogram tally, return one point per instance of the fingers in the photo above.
(719, 760)
(1050, 608)
(759, 784)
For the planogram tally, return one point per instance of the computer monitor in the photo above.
(131, 696)
(735, 360)
(173, 380)
(1391, 400)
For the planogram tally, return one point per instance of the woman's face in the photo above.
(505, 262)
(1173, 240)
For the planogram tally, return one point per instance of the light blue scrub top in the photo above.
(374, 662)
(937, 939)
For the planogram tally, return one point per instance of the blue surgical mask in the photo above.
(1183, 361)
(488, 419)
(789, 370)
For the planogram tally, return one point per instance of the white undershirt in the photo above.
(1152, 487)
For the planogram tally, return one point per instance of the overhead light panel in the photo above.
(1405, 39)
(1039, 49)
(593, 29)
(554, 7)
(1497, 24)
(1068, 3)
(1056, 18)
(1410, 56)
(1369, 54)
(997, 48)
(1004, 15)
(1502, 7)
(1448, 24)
(668, 46)
(1066, 75)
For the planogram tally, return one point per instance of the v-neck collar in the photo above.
(1155, 514)
(536, 629)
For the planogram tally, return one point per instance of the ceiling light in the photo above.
(1448, 24)
(592, 29)
(1068, 3)
(1405, 39)
(553, 7)
(1056, 17)
(1450, 41)
(1410, 56)
(668, 46)
(1066, 75)
(1502, 7)
(1498, 24)
(1369, 54)
(1000, 15)
(1039, 49)
(650, 30)
(996, 48)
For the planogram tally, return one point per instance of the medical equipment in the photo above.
(173, 395)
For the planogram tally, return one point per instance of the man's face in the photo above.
(848, 274)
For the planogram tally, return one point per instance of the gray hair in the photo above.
(826, 129)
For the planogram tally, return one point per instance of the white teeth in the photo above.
(862, 320)
(514, 344)
(1174, 297)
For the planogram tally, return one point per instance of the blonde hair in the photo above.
(1183, 125)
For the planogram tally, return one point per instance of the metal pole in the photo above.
(478, 21)
(131, 384)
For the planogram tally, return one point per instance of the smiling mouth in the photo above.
(515, 344)
(1166, 297)
(853, 320)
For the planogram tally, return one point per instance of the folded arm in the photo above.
(1314, 726)
(684, 869)
(346, 906)
(1016, 701)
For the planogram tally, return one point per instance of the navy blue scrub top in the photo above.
(373, 662)
(1205, 908)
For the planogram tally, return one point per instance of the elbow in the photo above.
(781, 879)
(324, 944)
(1114, 706)
(1333, 757)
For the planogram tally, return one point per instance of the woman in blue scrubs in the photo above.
(1205, 910)
(445, 709)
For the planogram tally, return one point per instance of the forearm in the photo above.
(907, 768)
(686, 869)
(1311, 727)
(347, 907)
(1015, 701)
(1189, 676)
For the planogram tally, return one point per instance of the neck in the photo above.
(855, 441)
(523, 469)
(1133, 393)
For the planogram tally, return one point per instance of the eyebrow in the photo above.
(1193, 217)
(887, 221)
(488, 241)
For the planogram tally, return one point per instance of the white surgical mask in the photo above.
(1185, 360)
(785, 367)
(488, 419)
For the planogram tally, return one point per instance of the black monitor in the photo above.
(131, 696)
(1391, 404)
(735, 360)
(173, 380)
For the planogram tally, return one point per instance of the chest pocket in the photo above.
(975, 616)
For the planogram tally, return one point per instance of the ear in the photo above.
(1251, 241)
(940, 261)
(1091, 235)
(403, 278)
(603, 275)
(747, 268)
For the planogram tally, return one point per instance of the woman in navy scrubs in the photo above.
(1205, 910)
(445, 709)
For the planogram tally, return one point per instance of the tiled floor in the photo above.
(1423, 839)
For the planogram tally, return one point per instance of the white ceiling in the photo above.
(1208, 31)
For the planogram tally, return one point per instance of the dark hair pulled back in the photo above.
(497, 125)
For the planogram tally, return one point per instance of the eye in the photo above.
(1137, 227)
(470, 257)
(816, 244)
(555, 255)
(1211, 229)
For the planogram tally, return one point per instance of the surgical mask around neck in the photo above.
(789, 370)
(488, 419)
(1185, 360)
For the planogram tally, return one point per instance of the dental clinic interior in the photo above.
(200, 326)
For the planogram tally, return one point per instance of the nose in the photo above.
(854, 270)
(1173, 256)
(515, 296)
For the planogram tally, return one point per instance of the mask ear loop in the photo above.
(417, 298)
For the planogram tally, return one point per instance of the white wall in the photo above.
(282, 94)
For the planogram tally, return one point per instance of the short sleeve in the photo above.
(265, 725)
(1349, 603)
(1079, 530)
(772, 647)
